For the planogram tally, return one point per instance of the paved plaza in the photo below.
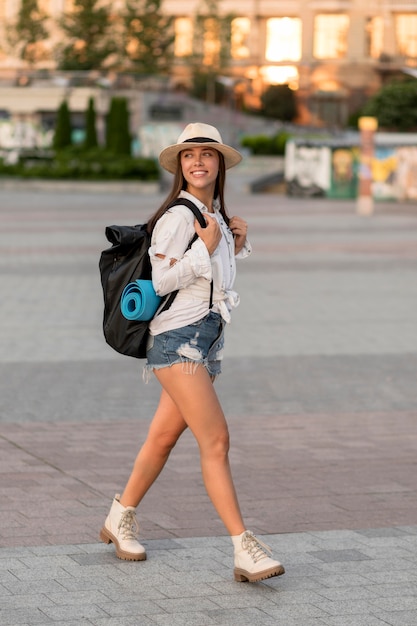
(320, 391)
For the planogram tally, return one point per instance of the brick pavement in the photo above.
(321, 400)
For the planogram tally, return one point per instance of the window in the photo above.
(283, 39)
(239, 38)
(330, 36)
(183, 45)
(374, 37)
(8, 9)
(281, 75)
(406, 34)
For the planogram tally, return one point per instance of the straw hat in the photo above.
(195, 135)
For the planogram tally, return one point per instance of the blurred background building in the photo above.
(333, 54)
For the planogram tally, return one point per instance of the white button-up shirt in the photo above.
(193, 269)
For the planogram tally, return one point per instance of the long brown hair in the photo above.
(180, 184)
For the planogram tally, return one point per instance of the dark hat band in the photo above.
(200, 140)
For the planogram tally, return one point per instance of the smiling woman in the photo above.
(185, 347)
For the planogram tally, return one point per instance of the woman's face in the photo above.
(200, 167)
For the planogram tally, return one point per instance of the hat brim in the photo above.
(168, 156)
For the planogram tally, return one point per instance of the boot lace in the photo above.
(128, 525)
(255, 547)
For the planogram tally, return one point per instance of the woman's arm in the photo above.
(173, 266)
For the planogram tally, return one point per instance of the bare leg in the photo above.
(165, 429)
(188, 401)
(197, 402)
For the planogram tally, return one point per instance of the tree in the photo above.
(212, 36)
(395, 106)
(90, 126)
(29, 31)
(87, 30)
(148, 37)
(63, 129)
(278, 102)
(118, 139)
(206, 87)
(211, 50)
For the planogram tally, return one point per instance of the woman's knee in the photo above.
(163, 442)
(217, 446)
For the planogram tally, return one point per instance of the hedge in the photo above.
(95, 164)
(266, 145)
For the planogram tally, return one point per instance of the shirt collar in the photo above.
(200, 205)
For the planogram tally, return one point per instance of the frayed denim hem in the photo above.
(200, 343)
(189, 367)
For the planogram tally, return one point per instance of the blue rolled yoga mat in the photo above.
(139, 301)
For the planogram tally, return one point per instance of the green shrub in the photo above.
(279, 102)
(90, 140)
(118, 139)
(394, 105)
(74, 163)
(63, 129)
(265, 145)
(281, 141)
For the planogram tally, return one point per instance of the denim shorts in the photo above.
(198, 343)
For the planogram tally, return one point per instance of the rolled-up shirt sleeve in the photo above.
(245, 251)
(179, 267)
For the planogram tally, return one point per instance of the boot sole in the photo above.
(107, 537)
(242, 576)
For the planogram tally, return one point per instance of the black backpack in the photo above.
(126, 261)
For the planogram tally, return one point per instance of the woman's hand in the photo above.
(239, 228)
(211, 235)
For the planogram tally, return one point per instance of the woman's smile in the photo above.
(200, 167)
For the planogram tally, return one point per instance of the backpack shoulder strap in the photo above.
(193, 207)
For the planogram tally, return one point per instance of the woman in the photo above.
(186, 342)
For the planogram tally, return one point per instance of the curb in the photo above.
(80, 186)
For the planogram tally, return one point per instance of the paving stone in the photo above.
(23, 601)
(190, 619)
(72, 612)
(398, 618)
(117, 621)
(13, 617)
(321, 402)
(330, 556)
(347, 620)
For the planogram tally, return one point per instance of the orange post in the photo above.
(365, 201)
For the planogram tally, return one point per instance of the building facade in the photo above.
(333, 53)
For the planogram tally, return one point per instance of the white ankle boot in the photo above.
(252, 562)
(121, 528)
